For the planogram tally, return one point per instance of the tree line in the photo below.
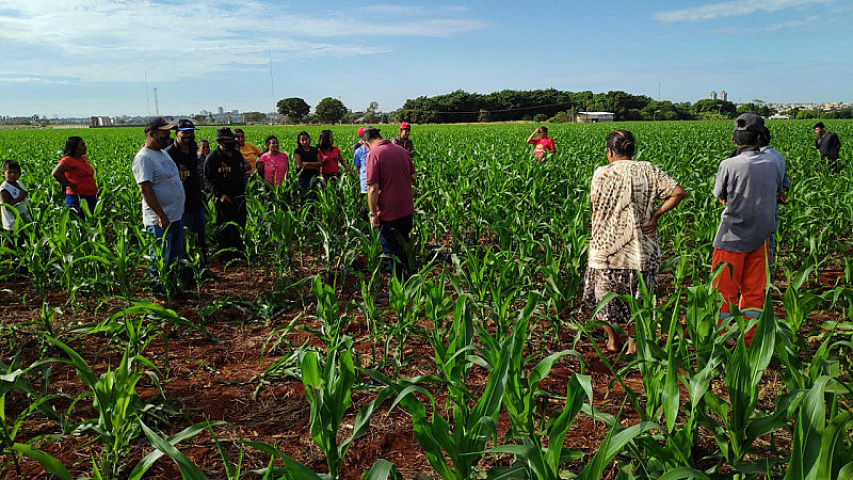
(542, 105)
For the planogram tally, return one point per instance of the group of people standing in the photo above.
(173, 178)
(623, 245)
(628, 197)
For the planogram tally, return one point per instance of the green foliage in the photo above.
(294, 108)
(330, 110)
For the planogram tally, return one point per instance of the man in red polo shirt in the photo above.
(391, 202)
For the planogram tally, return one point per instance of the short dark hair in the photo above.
(71, 145)
(819, 125)
(621, 142)
(745, 137)
(269, 139)
(11, 165)
(239, 130)
(370, 133)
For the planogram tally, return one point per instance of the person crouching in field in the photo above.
(747, 184)
(623, 243)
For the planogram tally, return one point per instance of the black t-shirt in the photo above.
(828, 146)
(188, 169)
(225, 175)
(312, 155)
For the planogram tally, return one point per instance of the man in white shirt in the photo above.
(162, 196)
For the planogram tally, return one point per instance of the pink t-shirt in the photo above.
(330, 161)
(543, 146)
(275, 167)
(391, 167)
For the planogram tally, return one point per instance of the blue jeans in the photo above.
(72, 201)
(394, 238)
(196, 222)
(170, 240)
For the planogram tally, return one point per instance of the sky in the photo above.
(78, 58)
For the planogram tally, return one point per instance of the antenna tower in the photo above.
(156, 102)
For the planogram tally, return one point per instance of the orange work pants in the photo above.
(747, 272)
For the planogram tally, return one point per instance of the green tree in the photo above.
(371, 115)
(255, 117)
(293, 108)
(330, 110)
(707, 107)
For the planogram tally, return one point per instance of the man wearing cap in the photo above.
(224, 172)
(403, 138)
(162, 195)
(829, 146)
(183, 153)
(747, 183)
(390, 200)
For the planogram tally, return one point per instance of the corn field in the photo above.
(309, 361)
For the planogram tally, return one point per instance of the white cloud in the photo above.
(735, 8)
(39, 80)
(794, 23)
(123, 40)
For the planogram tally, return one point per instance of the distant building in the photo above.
(723, 95)
(594, 117)
(101, 122)
(712, 95)
(220, 111)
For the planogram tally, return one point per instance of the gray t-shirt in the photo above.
(157, 167)
(748, 182)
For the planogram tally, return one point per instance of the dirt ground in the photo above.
(210, 380)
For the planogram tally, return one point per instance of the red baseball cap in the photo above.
(405, 126)
(361, 130)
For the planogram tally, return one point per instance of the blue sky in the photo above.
(91, 57)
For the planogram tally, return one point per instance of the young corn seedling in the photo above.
(14, 379)
(328, 388)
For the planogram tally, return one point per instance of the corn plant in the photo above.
(120, 411)
(533, 459)
(743, 370)
(821, 446)
(14, 380)
(472, 422)
(167, 446)
(328, 388)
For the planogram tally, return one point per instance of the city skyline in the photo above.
(106, 57)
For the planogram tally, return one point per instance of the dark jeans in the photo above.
(228, 235)
(832, 164)
(394, 238)
(196, 222)
(171, 240)
(72, 201)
